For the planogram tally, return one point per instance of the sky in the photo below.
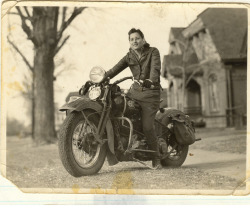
(98, 36)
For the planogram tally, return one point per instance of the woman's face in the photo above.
(136, 41)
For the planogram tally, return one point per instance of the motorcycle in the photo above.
(107, 124)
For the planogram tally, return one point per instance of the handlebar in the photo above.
(121, 80)
(83, 89)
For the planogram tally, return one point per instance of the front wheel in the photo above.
(80, 153)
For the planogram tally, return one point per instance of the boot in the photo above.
(156, 163)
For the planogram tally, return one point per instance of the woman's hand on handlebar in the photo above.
(147, 83)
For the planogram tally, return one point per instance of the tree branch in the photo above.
(193, 66)
(25, 27)
(58, 48)
(25, 17)
(65, 24)
(13, 13)
(22, 55)
(70, 67)
(191, 76)
(27, 12)
(176, 67)
(64, 14)
(28, 88)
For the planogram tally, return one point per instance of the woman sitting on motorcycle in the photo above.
(145, 65)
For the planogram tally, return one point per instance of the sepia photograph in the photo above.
(125, 98)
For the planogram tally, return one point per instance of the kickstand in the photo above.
(141, 162)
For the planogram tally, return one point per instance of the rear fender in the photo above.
(167, 115)
(85, 103)
(164, 114)
(163, 117)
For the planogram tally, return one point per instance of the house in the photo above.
(207, 67)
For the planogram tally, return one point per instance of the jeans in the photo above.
(149, 111)
(149, 100)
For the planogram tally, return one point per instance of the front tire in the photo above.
(79, 152)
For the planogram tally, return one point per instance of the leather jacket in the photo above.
(147, 67)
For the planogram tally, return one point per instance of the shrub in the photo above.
(14, 127)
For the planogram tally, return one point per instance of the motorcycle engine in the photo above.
(125, 106)
(132, 108)
(136, 142)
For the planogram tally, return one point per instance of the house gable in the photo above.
(193, 28)
(227, 27)
(175, 37)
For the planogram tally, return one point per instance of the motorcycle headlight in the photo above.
(94, 93)
(97, 74)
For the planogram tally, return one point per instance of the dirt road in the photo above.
(226, 164)
(220, 152)
(205, 168)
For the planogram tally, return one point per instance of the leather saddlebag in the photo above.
(182, 126)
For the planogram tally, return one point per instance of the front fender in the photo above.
(85, 103)
(80, 104)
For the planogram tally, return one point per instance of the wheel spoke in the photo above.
(86, 154)
(84, 157)
(79, 154)
(83, 129)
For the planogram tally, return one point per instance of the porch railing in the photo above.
(193, 110)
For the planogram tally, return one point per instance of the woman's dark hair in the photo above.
(133, 30)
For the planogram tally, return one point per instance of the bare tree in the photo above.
(28, 84)
(44, 27)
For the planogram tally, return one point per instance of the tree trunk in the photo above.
(33, 108)
(45, 32)
(44, 124)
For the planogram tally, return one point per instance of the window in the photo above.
(213, 93)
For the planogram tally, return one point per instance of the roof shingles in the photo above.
(227, 27)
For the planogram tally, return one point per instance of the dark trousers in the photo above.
(149, 110)
(149, 101)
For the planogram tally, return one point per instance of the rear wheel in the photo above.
(177, 156)
(79, 151)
